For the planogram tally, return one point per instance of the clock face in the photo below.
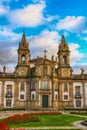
(65, 73)
(22, 71)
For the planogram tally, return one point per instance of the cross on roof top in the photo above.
(45, 51)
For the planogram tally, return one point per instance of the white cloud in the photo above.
(9, 68)
(50, 18)
(46, 40)
(3, 9)
(77, 68)
(8, 56)
(75, 56)
(8, 46)
(71, 23)
(50, 41)
(31, 15)
(6, 33)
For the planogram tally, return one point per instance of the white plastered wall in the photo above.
(9, 83)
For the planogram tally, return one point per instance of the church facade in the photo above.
(41, 84)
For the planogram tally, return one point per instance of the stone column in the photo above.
(83, 94)
(2, 93)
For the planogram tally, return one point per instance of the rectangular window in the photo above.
(44, 85)
(21, 96)
(9, 92)
(65, 97)
(8, 103)
(33, 97)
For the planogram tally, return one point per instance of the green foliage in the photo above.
(20, 119)
(75, 109)
(13, 109)
(50, 120)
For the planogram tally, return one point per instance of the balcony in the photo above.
(33, 88)
(78, 95)
(8, 95)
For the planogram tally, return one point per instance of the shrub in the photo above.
(13, 109)
(46, 113)
(4, 126)
(75, 109)
(18, 119)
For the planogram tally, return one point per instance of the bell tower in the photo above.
(23, 52)
(64, 69)
(23, 57)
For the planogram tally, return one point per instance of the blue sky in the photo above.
(44, 22)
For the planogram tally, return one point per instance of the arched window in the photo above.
(33, 85)
(64, 59)
(9, 90)
(44, 85)
(65, 87)
(45, 69)
(77, 89)
(23, 58)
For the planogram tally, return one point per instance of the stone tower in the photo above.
(64, 69)
(23, 57)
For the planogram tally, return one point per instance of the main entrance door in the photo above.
(45, 101)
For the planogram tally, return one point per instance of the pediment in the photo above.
(43, 61)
